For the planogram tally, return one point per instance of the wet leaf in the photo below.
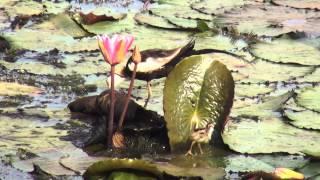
(260, 72)
(154, 21)
(266, 108)
(309, 98)
(309, 4)
(252, 90)
(288, 51)
(13, 89)
(214, 7)
(268, 136)
(303, 119)
(191, 95)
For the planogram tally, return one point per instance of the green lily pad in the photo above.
(269, 135)
(154, 21)
(310, 170)
(91, 65)
(67, 25)
(313, 77)
(56, 7)
(192, 92)
(29, 39)
(170, 11)
(259, 72)
(307, 4)
(266, 108)
(183, 23)
(252, 90)
(263, 19)
(13, 89)
(24, 7)
(309, 98)
(303, 118)
(246, 164)
(288, 51)
(109, 165)
(214, 7)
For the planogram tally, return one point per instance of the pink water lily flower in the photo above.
(115, 48)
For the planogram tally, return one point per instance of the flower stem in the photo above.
(111, 112)
(128, 97)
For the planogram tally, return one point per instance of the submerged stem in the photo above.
(111, 112)
(128, 97)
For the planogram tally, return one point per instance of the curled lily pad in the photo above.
(197, 92)
(309, 98)
(25, 7)
(288, 51)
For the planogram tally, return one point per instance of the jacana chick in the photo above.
(199, 136)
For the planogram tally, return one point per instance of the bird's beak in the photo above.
(117, 80)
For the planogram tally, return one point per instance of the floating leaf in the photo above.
(307, 4)
(214, 7)
(197, 92)
(269, 135)
(266, 108)
(260, 70)
(309, 98)
(310, 170)
(13, 89)
(252, 90)
(303, 119)
(154, 21)
(288, 51)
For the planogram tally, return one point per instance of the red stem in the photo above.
(128, 97)
(111, 112)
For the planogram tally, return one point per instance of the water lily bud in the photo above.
(136, 56)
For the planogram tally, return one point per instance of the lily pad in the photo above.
(269, 135)
(103, 167)
(13, 89)
(252, 90)
(169, 11)
(154, 21)
(314, 77)
(311, 170)
(29, 39)
(265, 20)
(106, 27)
(215, 7)
(192, 92)
(66, 24)
(309, 98)
(308, 4)
(25, 7)
(288, 51)
(301, 117)
(266, 108)
(259, 72)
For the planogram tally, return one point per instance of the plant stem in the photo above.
(111, 112)
(128, 97)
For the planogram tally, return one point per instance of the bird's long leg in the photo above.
(190, 150)
(199, 145)
(149, 93)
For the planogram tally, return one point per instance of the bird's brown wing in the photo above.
(155, 59)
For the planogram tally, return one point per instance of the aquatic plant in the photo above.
(114, 50)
